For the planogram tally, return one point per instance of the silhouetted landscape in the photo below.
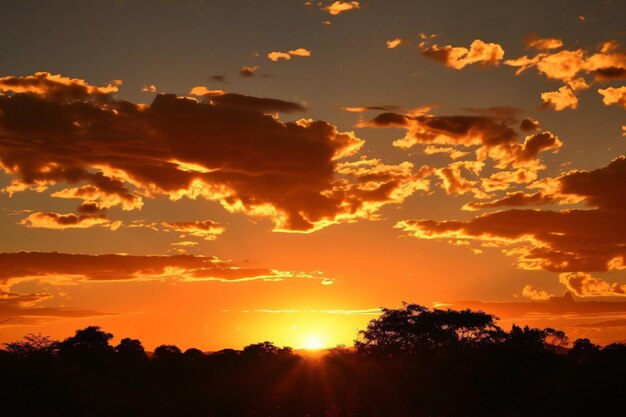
(411, 361)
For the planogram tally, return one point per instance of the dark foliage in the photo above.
(409, 362)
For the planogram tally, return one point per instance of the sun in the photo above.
(313, 342)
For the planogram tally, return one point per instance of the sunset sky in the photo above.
(222, 172)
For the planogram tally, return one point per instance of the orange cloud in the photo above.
(248, 71)
(584, 285)
(277, 55)
(495, 140)
(63, 268)
(228, 148)
(454, 182)
(448, 150)
(541, 44)
(56, 87)
(341, 6)
(491, 140)
(206, 229)
(573, 240)
(614, 95)
(529, 125)
(560, 100)
(394, 43)
(20, 309)
(113, 195)
(529, 292)
(300, 52)
(58, 221)
(203, 91)
(571, 66)
(479, 52)
(361, 109)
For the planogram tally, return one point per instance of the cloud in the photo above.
(492, 149)
(453, 181)
(494, 139)
(228, 148)
(300, 52)
(559, 100)
(248, 71)
(572, 240)
(341, 6)
(278, 55)
(64, 268)
(201, 90)
(518, 198)
(571, 67)
(541, 44)
(206, 229)
(57, 87)
(58, 221)
(554, 306)
(378, 184)
(102, 196)
(394, 43)
(20, 309)
(448, 150)
(365, 311)
(584, 285)
(530, 125)
(361, 109)
(529, 292)
(614, 95)
(151, 88)
(598, 318)
(458, 57)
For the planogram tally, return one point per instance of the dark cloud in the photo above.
(572, 240)
(62, 268)
(51, 220)
(529, 125)
(227, 147)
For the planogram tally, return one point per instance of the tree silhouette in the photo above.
(88, 344)
(412, 361)
(415, 328)
(32, 345)
(131, 349)
(167, 353)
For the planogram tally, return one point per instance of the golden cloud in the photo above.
(58, 221)
(614, 95)
(541, 44)
(584, 285)
(459, 57)
(559, 100)
(339, 7)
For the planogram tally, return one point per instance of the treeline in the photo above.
(411, 361)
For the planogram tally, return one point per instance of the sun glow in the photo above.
(313, 342)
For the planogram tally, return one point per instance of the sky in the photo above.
(219, 173)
